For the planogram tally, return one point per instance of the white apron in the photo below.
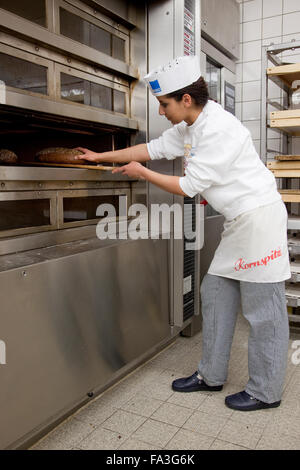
(253, 247)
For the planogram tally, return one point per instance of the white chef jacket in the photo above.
(221, 164)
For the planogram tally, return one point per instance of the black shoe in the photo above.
(242, 401)
(194, 384)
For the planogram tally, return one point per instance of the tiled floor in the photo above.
(142, 411)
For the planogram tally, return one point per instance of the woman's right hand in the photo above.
(88, 155)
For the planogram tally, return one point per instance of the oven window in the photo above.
(89, 93)
(101, 96)
(118, 48)
(19, 73)
(74, 89)
(76, 209)
(213, 80)
(26, 213)
(99, 39)
(33, 11)
(91, 35)
(119, 101)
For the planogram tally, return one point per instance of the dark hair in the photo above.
(197, 90)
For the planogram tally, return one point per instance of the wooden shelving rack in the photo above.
(284, 165)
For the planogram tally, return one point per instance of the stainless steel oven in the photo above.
(79, 312)
(72, 318)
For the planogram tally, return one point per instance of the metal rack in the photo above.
(284, 166)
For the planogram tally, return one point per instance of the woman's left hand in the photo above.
(132, 169)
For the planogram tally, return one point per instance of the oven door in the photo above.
(82, 207)
(24, 212)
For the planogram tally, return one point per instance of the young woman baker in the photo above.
(251, 263)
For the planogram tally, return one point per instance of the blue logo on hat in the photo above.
(155, 86)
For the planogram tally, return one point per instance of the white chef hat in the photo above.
(173, 76)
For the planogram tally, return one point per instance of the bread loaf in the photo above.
(59, 155)
(7, 156)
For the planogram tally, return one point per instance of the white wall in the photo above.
(263, 22)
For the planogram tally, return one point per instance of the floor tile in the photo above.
(276, 441)
(69, 434)
(172, 414)
(258, 418)
(205, 424)
(120, 394)
(168, 375)
(188, 440)
(143, 412)
(245, 435)
(142, 405)
(144, 376)
(155, 433)
(134, 444)
(223, 445)
(95, 413)
(158, 391)
(123, 422)
(284, 424)
(189, 400)
(214, 405)
(102, 439)
(290, 405)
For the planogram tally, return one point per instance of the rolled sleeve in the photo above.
(186, 187)
(169, 145)
(197, 179)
